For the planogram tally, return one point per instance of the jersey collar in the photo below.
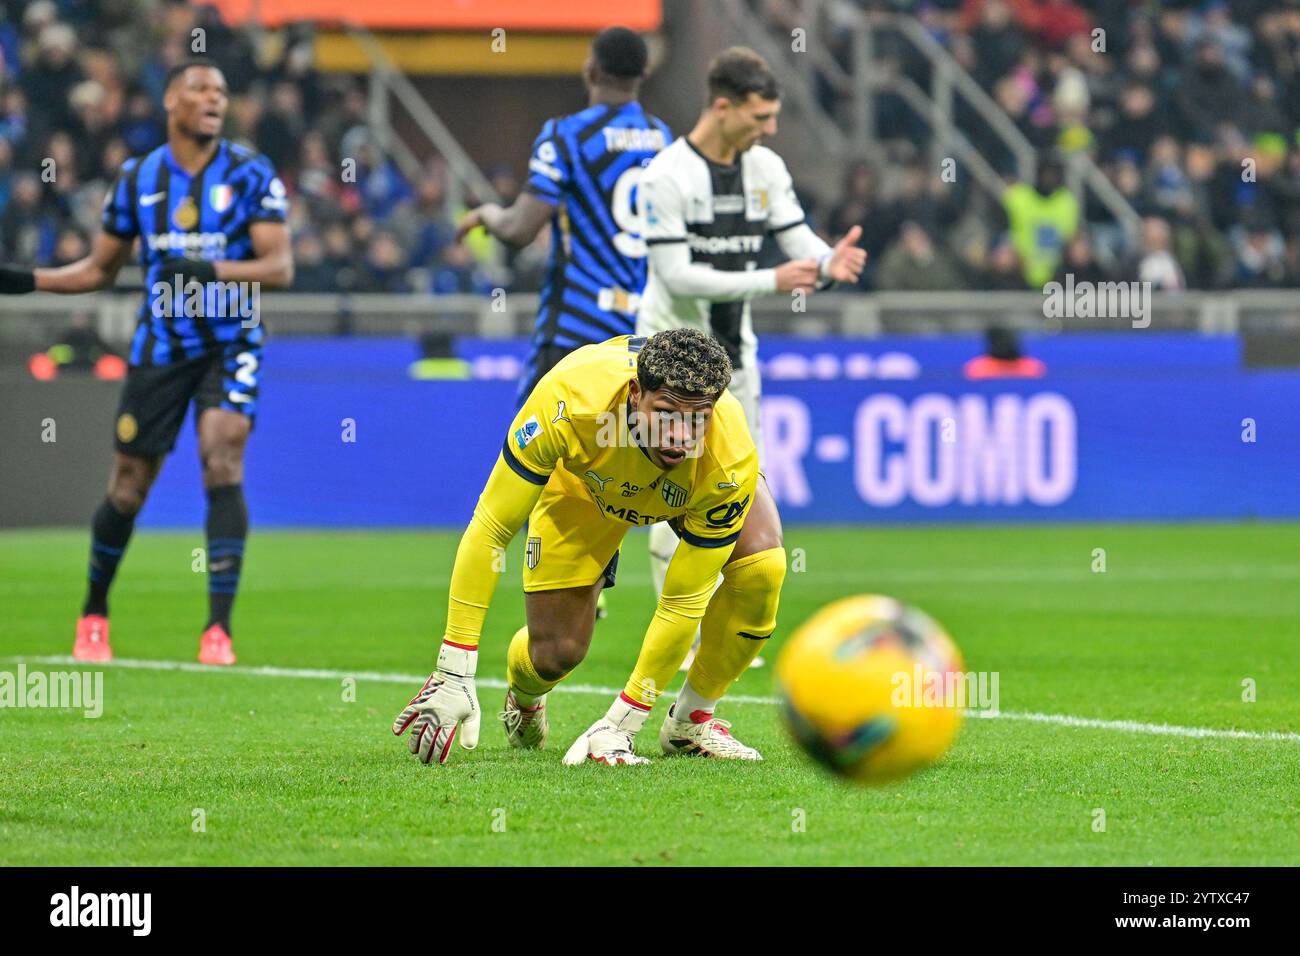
(181, 170)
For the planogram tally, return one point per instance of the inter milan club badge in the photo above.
(186, 215)
(533, 552)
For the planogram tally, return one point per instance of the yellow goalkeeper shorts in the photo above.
(569, 543)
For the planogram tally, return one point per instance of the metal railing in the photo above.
(388, 84)
(33, 322)
(949, 81)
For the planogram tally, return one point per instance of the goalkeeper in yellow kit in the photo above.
(629, 432)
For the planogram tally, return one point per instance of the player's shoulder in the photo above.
(243, 160)
(590, 379)
(766, 162)
(143, 161)
(672, 162)
(729, 450)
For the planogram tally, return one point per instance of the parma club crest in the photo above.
(674, 494)
(533, 552)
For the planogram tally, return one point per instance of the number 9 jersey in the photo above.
(587, 166)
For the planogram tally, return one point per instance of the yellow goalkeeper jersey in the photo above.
(573, 436)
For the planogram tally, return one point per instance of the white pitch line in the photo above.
(1060, 720)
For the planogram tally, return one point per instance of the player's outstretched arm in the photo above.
(516, 226)
(448, 701)
(108, 253)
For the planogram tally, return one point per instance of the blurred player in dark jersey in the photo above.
(211, 219)
(582, 179)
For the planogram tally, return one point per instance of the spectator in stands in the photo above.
(386, 266)
(381, 186)
(1209, 94)
(1138, 124)
(1080, 261)
(1156, 263)
(1214, 24)
(280, 129)
(423, 226)
(311, 272)
(1042, 217)
(914, 263)
(459, 272)
(53, 76)
(1261, 254)
(862, 206)
(998, 41)
(13, 117)
(142, 129)
(28, 231)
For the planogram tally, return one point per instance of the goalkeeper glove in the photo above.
(448, 701)
(16, 281)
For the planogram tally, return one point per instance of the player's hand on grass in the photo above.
(797, 274)
(473, 219)
(447, 702)
(847, 259)
(15, 280)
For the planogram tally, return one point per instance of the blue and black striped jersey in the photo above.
(587, 165)
(205, 216)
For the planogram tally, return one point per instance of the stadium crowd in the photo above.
(1191, 110)
(1190, 107)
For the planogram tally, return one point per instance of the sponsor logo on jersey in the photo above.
(526, 432)
(187, 242)
(533, 552)
(718, 245)
(560, 415)
(725, 515)
(674, 495)
(630, 515)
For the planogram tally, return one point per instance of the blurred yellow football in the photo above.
(867, 685)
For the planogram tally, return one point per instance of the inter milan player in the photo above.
(582, 180)
(210, 217)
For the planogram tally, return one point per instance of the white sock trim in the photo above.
(689, 701)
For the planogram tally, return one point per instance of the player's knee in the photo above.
(555, 655)
(760, 574)
(223, 464)
(126, 494)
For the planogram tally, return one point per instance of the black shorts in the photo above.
(155, 397)
(611, 572)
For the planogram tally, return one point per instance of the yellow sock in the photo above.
(741, 616)
(525, 682)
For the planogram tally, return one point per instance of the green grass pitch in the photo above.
(286, 771)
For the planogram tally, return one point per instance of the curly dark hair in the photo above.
(686, 360)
